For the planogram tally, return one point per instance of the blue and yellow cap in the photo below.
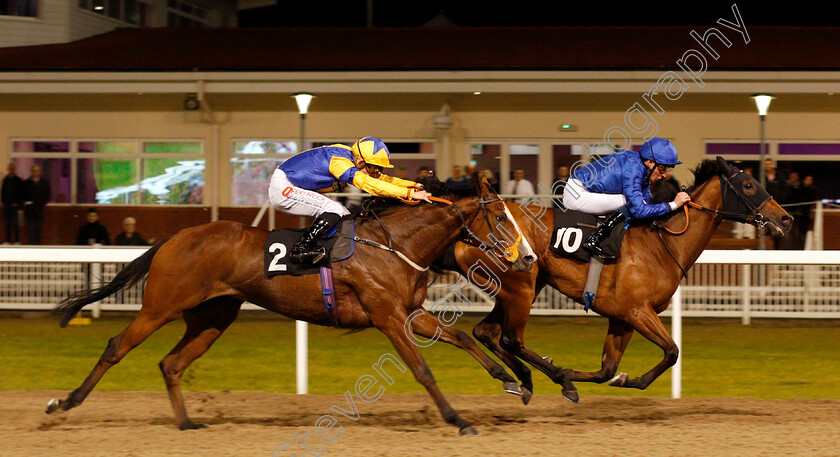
(373, 151)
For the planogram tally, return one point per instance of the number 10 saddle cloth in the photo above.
(571, 228)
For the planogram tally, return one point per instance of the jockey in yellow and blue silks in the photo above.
(297, 184)
(622, 180)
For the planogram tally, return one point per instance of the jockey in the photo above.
(297, 184)
(622, 180)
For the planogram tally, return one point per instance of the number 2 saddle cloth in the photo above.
(338, 243)
(571, 228)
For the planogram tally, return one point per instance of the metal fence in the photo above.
(39, 278)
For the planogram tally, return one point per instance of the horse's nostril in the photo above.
(530, 258)
(787, 220)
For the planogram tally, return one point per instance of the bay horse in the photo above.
(203, 274)
(633, 290)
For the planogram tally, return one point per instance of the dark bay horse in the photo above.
(203, 274)
(633, 290)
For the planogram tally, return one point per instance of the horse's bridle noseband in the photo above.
(502, 248)
(754, 217)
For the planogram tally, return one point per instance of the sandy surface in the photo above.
(256, 424)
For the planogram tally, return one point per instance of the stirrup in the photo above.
(311, 256)
(596, 250)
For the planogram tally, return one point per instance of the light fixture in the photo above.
(303, 99)
(478, 92)
(762, 102)
(568, 127)
(191, 102)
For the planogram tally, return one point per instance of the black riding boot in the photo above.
(305, 249)
(593, 242)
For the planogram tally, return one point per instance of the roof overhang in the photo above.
(735, 82)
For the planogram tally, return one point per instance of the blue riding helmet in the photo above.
(660, 151)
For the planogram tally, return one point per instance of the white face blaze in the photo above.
(527, 246)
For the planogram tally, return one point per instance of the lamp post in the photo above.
(301, 329)
(762, 102)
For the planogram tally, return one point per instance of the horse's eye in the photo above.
(501, 218)
(748, 186)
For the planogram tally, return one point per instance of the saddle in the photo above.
(571, 228)
(338, 244)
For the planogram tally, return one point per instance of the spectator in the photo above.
(469, 171)
(93, 232)
(801, 192)
(13, 196)
(130, 237)
(561, 177)
(775, 183)
(779, 189)
(37, 193)
(519, 186)
(458, 181)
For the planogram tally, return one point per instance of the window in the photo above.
(252, 165)
(117, 172)
(254, 161)
(185, 14)
(135, 12)
(21, 8)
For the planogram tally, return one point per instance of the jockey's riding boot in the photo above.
(593, 242)
(305, 249)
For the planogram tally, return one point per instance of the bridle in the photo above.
(752, 217)
(500, 247)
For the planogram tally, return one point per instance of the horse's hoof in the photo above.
(53, 406)
(469, 430)
(619, 380)
(526, 396)
(512, 388)
(549, 360)
(191, 426)
(571, 395)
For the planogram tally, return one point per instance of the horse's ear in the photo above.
(481, 185)
(725, 168)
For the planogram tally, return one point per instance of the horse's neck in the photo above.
(422, 233)
(688, 246)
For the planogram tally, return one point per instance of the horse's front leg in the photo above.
(392, 323)
(513, 340)
(618, 337)
(428, 326)
(647, 323)
(489, 331)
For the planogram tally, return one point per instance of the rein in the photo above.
(754, 218)
(471, 238)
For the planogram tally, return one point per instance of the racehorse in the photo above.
(632, 292)
(205, 273)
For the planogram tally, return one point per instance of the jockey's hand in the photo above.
(681, 199)
(422, 195)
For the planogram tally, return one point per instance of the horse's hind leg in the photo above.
(205, 323)
(488, 331)
(618, 337)
(426, 325)
(143, 325)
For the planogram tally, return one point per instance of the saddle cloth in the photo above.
(571, 228)
(280, 243)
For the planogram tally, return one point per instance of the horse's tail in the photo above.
(127, 277)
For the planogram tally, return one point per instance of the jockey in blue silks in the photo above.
(622, 180)
(297, 184)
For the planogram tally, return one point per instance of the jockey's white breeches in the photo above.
(288, 198)
(576, 197)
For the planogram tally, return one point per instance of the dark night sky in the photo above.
(412, 13)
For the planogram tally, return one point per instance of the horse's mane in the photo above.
(708, 169)
(382, 206)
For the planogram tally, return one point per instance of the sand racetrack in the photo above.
(255, 424)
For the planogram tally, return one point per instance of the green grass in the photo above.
(769, 359)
